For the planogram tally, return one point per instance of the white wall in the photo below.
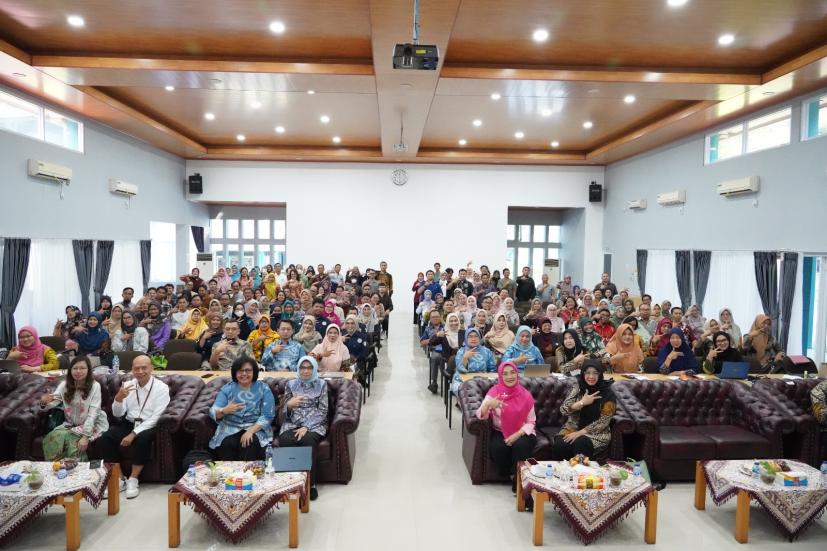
(353, 214)
(572, 233)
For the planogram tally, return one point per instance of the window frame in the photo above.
(41, 124)
(220, 246)
(805, 121)
(744, 125)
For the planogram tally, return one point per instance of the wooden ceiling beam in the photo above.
(291, 152)
(480, 155)
(204, 65)
(795, 63)
(15, 52)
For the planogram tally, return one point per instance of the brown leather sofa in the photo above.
(808, 443)
(549, 394)
(680, 422)
(170, 445)
(17, 391)
(336, 452)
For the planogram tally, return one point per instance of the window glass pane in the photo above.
(554, 234)
(249, 255)
(19, 116)
(522, 258)
(217, 228)
(263, 254)
(510, 254)
(263, 229)
(822, 116)
(232, 229)
(553, 253)
(769, 131)
(538, 255)
(248, 229)
(218, 256)
(279, 232)
(233, 258)
(539, 234)
(510, 230)
(525, 234)
(279, 254)
(63, 131)
(727, 143)
(162, 267)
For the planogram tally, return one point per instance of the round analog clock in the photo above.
(399, 177)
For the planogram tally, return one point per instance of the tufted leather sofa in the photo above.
(792, 398)
(17, 391)
(549, 394)
(680, 422)
(170, 445)
(337, 451)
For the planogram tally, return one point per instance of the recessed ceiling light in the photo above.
(277, 27)
(279, 130)
(256, 104)
(18, 75)
(676, 3)
(519, 135)
(495, 96)
(209, 116)
(325, 119)
(629, 98)
(462, 142)
(241, 137)
(215, 80)
(336, 139)
(555, 143)
(726, 39)
(540, 35)
(587, 125)
(477, 122)
(169, 88)
(546, 112)
(768, 93)
(311, 92)
(75, 21)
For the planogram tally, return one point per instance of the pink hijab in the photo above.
(517, 401)
(224, 281)
(331, 316)
(32, 355)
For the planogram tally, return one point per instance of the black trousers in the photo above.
(288, 440)
(436, 360)
(386, 323)
(108, 446)
(230, 449)
(565, 450)
(506, 457)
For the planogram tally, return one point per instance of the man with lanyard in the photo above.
(137, 407)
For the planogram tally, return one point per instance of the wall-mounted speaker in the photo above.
(196, 184)
(595, 193)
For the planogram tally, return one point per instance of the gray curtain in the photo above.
(642, 258)
(146, 259)
(766, 276)
(700, 262)
(103, 263)
(683, 273)
(15, 267)
(789, 268)
(198, 237)
(83, 266)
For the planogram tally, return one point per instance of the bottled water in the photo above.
(549, 470)
(269, 470)
(191, 474)
(824, 474)
(116, 365)
(636, 470)
(756, 469)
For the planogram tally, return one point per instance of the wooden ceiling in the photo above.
(334, 59)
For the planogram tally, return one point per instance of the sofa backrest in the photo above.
(687, 403)
(178, 384)
(548, 393)
(797, 391)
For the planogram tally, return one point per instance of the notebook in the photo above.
(291, 460)
(734, 370)
(537, 370)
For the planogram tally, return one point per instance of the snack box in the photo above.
(238, 483)
(590, 482)
(793, 478)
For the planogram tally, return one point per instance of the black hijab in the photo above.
(591, 413)
(570, 354)
(729, 354)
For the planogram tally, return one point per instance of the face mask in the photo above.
(239, 312)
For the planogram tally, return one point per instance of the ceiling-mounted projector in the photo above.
(418, 57)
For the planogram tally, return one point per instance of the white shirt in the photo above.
(281, 278)
(152, 397)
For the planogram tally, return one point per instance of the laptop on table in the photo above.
(291, 460)
(734, 370)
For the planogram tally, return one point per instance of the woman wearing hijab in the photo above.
(253, 313)
(481, 322)
(511, 410)
(589, 305)
(453, 339)
(105, 307)
(331, 353)
(626, 309)
(214, 307)
(661, 337)
(130, 337)
(224, 281)
(626, 355)
(570, 353)
(511, 315)
(425, 304)
(270, 286)
(114, 322)
(261, 337)
(721, 351)
(32, 355)
(695, 320)
(535, 312)
(194, 326)
(728, 324)
(522, 351)
(760, 343)
(245, 326)
(677, 357)
(472, 357)
(244, 278)
(546, 340)
(558, 324)
(73, 319)
(500, 337)
(307, 335)
(418, 288)
(590, 339)
(305, 413)
(703, 344)
(330, 313)
(589, 406)
(657, 315)
(357, 345)
(157, 326)
(289, 313)
(470, 312)
(366, 318)
(92, 340)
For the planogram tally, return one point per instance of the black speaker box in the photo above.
(595, 192)
(196, 184)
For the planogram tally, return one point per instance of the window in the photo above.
(280, 231)
(764, 132)
(162, 266)
(539, 233)
(247, 242)
(30, 119)
(530, 244)
(814, 113)
(217, 228)
(525, 234)
(554, 234)
(232, 229)
(264, 229)
(248, 229)
(510, 232)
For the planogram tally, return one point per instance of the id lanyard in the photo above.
(139, 419)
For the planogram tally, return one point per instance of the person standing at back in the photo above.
(526, 289)
(606, 284)
(384, 277)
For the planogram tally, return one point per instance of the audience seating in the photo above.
(170, 442)
(17, 391)
(178, 345)
(680, 422)
(792, 398)
(336, 453)
(549, 394)
(184, 361)
(58, 344)
(125, 359)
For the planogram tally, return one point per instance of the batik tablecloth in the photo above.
(590, 513)
(793, 508)
(20, 505)
(236, 512)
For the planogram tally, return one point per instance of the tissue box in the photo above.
(589, 482)
(793, 478)
(239, 482)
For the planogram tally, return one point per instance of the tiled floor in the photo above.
(411, 491)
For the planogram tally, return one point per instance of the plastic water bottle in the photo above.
(549, 470)
(268, 461)
(824, 474)
(756, 469)
(116, 365)
(636, 470)
(191, 474)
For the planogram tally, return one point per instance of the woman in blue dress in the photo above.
(472, 358)
(522, 351)
(244, 410)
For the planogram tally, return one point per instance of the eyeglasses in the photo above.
(244, 371)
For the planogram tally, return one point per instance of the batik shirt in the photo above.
(259, 409)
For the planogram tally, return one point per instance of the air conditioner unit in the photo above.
(122, 188)
(551, 267)
(750, 184)
(205, 264)
(677, 197)
(638, 204)
(50, 171)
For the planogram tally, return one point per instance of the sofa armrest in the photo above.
(645, 425)
(470, 398)
(179, 405)
(761, 417)
(28, 422)
(348, 408)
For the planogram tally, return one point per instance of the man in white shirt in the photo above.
(137, 407)
(281, 277)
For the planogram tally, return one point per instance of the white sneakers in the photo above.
(121, 486)
(132, 489)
